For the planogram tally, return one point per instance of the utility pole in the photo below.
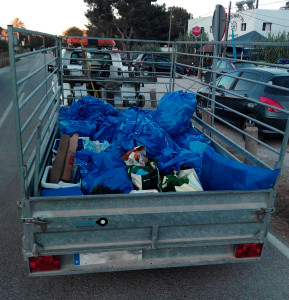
(227, 28)
(257, 4)
(170, 29)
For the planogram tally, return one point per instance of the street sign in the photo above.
(219, 22)
(197, 31)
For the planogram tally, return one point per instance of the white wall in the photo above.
(254, 20)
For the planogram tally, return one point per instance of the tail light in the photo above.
(271, 102)
(248, 250)
(44, 263)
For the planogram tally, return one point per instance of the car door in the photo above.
(244, 89)
(224, 84)
(163, 64)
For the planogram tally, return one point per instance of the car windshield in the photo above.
(279, 81)
(100, 59)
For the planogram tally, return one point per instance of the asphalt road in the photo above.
(265, 279)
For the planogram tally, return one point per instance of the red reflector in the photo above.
(271, 102)
(248, 250)
(44, 263)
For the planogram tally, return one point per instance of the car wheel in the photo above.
(201, 104)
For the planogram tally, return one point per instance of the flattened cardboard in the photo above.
(70, 158)
(58, 165)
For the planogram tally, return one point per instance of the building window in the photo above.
(202, 29)
(211, 29)
(243, 26)
(267, 26)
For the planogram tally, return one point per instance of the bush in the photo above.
(3, 46)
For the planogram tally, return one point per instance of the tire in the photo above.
(141, 101)
(201, 103)
(125, 103)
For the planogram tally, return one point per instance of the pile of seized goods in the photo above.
(101, 150)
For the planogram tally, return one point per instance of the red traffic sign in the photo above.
(197, 31)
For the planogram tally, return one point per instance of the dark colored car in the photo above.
(225, 66)
(243, 90)
(161, 64)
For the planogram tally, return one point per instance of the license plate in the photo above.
(83, 259)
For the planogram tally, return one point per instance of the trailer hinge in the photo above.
(36, 221)
(263, 211)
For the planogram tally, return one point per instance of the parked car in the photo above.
(148, 64)
(225, 66)
(269, 95)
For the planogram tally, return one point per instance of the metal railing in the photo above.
(128, 82)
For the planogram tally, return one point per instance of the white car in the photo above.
(88, 69)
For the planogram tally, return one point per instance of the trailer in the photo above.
(103, 233)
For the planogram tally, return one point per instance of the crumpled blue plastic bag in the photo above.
(104, 169)
(70, 127)
(143, 133)
(221, 173)
(88, 108)
(193, 140)
(135, 113)
(106, 130)
(174, 112)
(173, 159)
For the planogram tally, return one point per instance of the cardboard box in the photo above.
(58, 165)
(70, 158)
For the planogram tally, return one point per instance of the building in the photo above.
(248, 19)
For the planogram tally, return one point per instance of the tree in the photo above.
(179, 21)
(271, 54)
(73, 31)
(138, 19)
(17, 23)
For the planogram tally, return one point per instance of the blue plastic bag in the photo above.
(221, 173)
(173, 159)
(174, 112)
(83, 128)
(143, 132)
(135, 113)
(88, 108)
(107, 128)
(102, 169)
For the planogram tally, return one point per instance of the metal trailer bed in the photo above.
(102, 233)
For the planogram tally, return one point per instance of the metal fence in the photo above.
(137, 72)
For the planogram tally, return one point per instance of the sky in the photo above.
(55, 16)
